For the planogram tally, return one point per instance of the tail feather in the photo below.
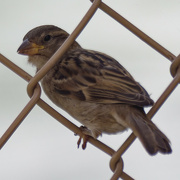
(151, 137)
(163, 142)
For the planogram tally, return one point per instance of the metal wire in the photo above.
(34, 89)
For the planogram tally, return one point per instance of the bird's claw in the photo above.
(85, 140)
(85, 137)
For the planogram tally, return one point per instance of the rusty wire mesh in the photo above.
(34, 89)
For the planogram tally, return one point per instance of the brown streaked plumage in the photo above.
(93, 88)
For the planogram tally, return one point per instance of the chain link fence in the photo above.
(34, 89)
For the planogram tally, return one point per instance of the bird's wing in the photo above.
(95, 77)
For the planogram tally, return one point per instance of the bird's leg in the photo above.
(85, 140)
(86, 133)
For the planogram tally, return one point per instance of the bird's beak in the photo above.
(29, 48)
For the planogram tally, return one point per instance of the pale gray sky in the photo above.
(41, 148)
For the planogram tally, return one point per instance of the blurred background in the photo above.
(42, 148)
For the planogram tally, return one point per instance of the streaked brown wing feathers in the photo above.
(100, 80)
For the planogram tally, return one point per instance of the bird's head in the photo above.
(41, 43)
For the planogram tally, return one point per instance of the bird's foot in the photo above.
(86, 134)
(85, 140)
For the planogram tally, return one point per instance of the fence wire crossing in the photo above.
(34, 89)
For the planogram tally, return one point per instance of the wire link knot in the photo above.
(175, 66)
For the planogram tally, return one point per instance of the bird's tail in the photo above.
(151, 137)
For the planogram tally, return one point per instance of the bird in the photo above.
(94, 88)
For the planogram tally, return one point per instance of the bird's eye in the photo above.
(47, 37)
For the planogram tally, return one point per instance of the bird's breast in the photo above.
(92, 115)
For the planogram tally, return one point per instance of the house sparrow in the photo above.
(93, 88)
